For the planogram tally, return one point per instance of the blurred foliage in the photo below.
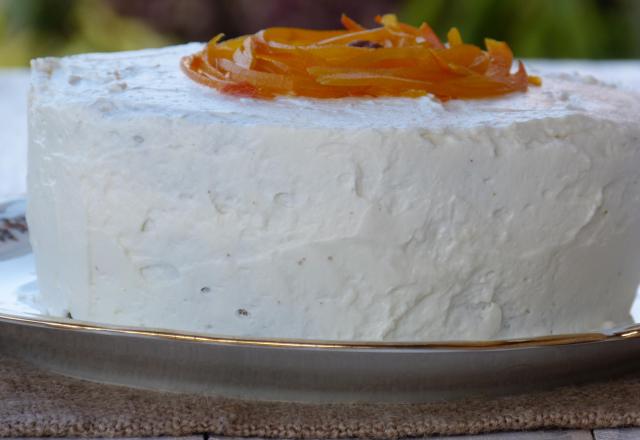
(33, 28)
(533, 28)
(539, 28)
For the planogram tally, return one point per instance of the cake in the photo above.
(156, 201)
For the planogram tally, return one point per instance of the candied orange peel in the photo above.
(395, 59)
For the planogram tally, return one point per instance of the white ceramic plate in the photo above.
(319, 371)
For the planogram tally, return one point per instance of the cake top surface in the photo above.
(150, 82)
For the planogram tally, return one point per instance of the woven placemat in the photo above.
(36, 403)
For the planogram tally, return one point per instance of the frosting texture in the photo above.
(155, 201)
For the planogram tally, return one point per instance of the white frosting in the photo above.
(155, 201)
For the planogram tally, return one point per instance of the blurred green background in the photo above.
(599, 29)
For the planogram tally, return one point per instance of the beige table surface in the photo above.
(599, 434)
(13, 141)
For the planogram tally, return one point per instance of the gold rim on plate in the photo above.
(630, 332)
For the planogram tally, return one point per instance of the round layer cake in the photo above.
(155, 201)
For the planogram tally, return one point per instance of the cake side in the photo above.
(468, 220)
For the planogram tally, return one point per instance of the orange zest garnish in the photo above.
(395, 59)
